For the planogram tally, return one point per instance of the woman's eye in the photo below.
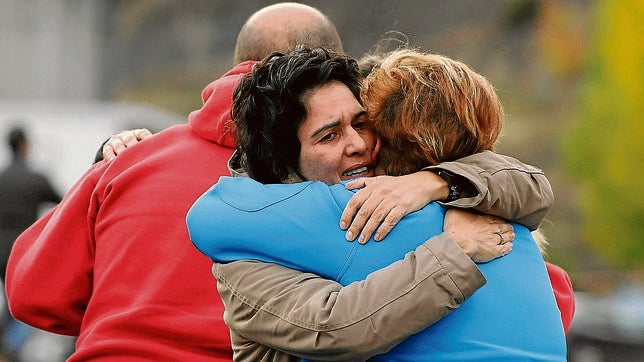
(328, 137)
(360, 126)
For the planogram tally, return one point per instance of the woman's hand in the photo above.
(118, 142)
(384, 200)
(482, 237)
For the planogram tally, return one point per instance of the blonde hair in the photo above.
(542, 241)
(429, 109)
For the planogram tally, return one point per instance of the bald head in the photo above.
(280, 27)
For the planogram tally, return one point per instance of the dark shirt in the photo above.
(22, 193)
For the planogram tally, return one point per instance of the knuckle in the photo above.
(389, 222)
(118, 139)
(378, 215)
(383, 230)
(391, 219)
(353, 205)
(397, 213)
(360, 197)
(363, 214)
(369, 229)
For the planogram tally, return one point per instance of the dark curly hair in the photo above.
(268, 107)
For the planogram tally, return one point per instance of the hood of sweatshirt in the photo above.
(213, 121)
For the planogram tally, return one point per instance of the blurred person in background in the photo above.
(24, 193)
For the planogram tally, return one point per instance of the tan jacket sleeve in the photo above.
(312, 317)
(506, 187)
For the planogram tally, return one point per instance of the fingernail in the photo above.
(343, 224)
(350, 236)
(362, 240)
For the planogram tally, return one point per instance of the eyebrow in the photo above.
(336, 123)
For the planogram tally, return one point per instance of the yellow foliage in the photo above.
(605, 152)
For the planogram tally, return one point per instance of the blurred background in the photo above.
(569, 73)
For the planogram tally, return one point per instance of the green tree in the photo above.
(604, 151)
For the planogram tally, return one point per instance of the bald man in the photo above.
(280, 26)
(112, 263)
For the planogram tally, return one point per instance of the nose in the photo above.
(356, 144)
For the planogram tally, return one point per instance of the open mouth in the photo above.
(360, 171)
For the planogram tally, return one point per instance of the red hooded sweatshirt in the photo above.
(113, 264)
(564, 293)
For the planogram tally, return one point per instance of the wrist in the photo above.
(436, 187)
(453, 188)
(468, 246)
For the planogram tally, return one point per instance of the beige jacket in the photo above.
(272, 310)
(284, 308)
(505, 187)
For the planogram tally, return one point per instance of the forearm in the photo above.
(305, 315)
(504, 186)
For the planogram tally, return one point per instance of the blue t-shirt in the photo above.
(514, 317)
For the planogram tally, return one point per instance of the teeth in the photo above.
(356, 171)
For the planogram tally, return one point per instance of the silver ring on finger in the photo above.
(502, 240)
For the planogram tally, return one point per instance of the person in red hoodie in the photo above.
(112, 263)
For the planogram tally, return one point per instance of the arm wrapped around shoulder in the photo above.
(311, 317)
